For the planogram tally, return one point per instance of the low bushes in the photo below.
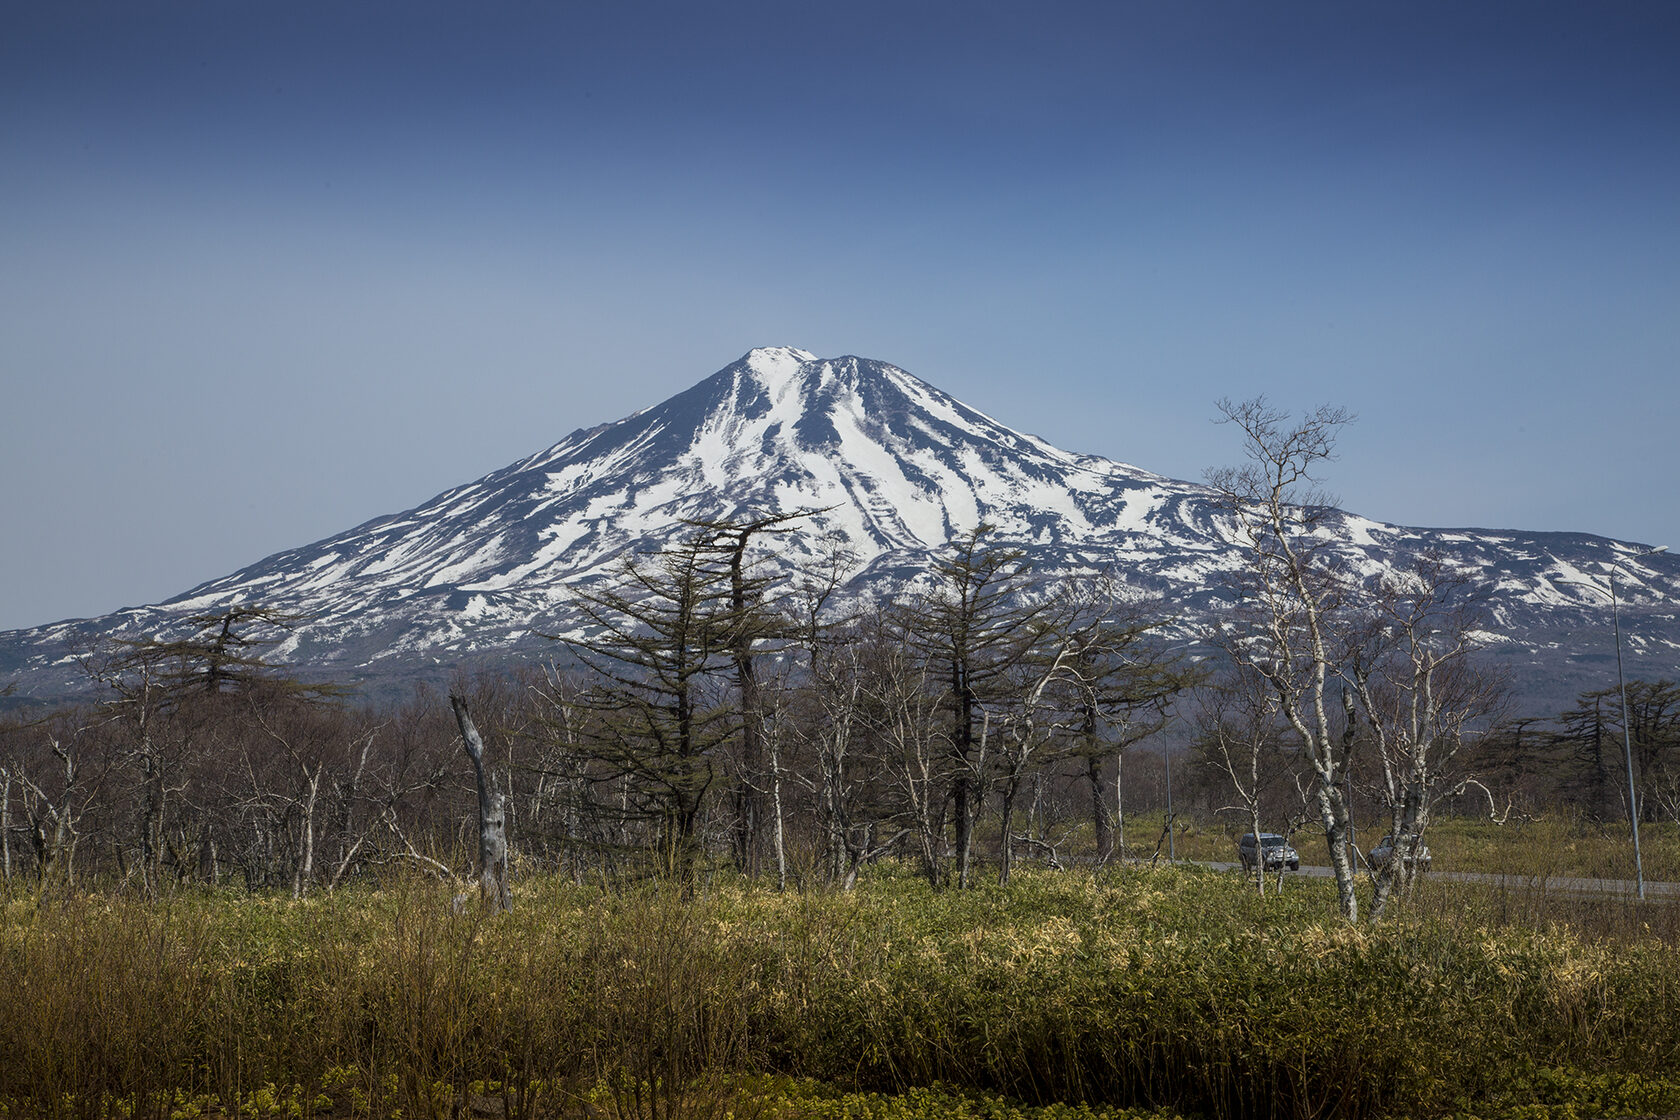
(1172, 990)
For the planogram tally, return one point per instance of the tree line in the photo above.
(704, 713)
(714, 708)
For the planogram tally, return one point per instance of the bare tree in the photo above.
(1419, 695)
(1291, 594)
(916, 751)
(1238, 734)
(285, 799)
(563, 804)
(1665, 791)
(54, 809)
(834, 680)
(352, 823)
(1028, 732)
(170, 698)
(138, 674)
(864, 727)
(6, 780)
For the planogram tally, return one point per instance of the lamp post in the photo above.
(1627, 731)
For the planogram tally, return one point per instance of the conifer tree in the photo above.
(977, 621)
(657, 641)
(725, 544)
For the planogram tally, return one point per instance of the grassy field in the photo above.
(1123, 992)
(1558, 845)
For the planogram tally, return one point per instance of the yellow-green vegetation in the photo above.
(1127, 992)
(1556, 845)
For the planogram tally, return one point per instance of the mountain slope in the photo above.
(894, 468)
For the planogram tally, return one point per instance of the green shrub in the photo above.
(1169, 990)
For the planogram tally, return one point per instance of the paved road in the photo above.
(1555, 884)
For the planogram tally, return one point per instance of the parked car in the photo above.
(1383, 852)
(1269, 847)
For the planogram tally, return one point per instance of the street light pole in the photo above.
(1627, 734)
(1627, 729)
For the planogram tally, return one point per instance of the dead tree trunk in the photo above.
(492, 817)
(6, 823)
(779, 809)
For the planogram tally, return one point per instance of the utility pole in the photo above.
(1627, 730)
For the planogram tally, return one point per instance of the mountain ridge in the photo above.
(892, 466)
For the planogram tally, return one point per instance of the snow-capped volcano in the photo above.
(893, 467)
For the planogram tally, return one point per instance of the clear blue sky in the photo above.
(270, 269)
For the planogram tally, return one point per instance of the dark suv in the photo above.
(1269, 847)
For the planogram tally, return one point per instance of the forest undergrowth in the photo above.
(1109, 993)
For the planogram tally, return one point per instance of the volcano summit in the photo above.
(895, 470)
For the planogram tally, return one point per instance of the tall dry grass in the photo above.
(1558, 845)
(381, 1002)
(1168, 989)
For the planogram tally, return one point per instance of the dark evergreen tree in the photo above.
(657, 642)
(1590, 732)
(979, 620)
(752, 621)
